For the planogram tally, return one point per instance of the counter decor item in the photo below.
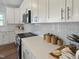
(20, 27)
(56, 53)
(47, 37)
(52, 56)
(44, 36)
(64, 52)
(54, 39)
(59, 42)
(67, 53)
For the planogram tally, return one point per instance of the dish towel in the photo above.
(77, 54)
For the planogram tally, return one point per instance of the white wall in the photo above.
(29, 27)
(7, 28)
(60, 29)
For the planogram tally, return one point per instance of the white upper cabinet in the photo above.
(22, 10)
(75, 11)
(34, 10)
(63, 11)
(72, 11)
(39, 11)
(13, 16)
(17, 16)
(10, 15)
(43, 11)
(56, 10)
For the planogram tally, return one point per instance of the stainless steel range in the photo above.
(19, 40)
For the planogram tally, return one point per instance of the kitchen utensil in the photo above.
(74, 38)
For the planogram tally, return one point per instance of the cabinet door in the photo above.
(69, 10)
(22, 10)
(11, 36)
(56, 10)
(5, 38)
(1, 38)
(43, 11)
(75, 10)
(10, 15)
(26, 54)
(17, 15)
(35, 11)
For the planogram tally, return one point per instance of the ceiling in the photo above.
(11, 3)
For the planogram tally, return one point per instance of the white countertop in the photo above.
(38, 47)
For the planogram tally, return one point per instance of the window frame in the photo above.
(3, 12)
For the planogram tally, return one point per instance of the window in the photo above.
(1, 19)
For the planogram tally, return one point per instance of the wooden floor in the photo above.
(8, 51)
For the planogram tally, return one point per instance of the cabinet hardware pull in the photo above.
(68, 12)
(62, 11)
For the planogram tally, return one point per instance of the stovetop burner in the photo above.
(23, 35)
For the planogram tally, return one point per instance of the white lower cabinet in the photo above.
(7, 37)
(27, 54)
(12, 37)
(75, 10)
(1, 38)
